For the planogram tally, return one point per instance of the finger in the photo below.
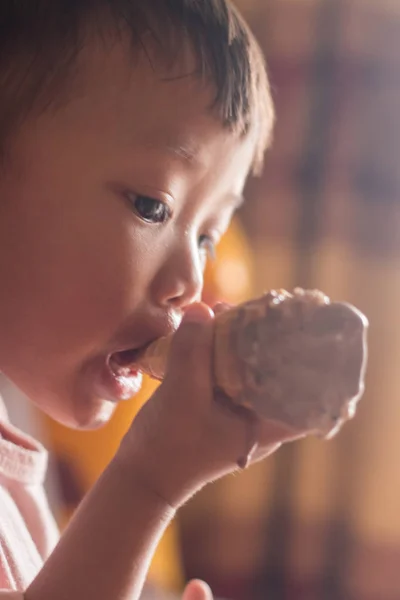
(271, 437)
(274, 431)
(221, 307)
(197, 590)
(264, 438)
(191, 346)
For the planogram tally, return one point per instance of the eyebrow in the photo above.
(186, 152)
(189, 153)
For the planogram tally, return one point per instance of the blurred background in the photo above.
(318, 520)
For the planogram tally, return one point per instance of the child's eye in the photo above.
(208, 246)
(151, 210)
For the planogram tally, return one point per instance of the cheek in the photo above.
(75, 277)
(98, 283)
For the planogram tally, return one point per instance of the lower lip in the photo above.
(114, 387)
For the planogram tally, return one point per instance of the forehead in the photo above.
(151, 100)
(136, 118)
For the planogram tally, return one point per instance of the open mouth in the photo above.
(125, 363)
(120, 378)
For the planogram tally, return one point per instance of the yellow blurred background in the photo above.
(318, 520)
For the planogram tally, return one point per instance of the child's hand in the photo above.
(183, 438)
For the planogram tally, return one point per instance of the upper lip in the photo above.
(144, 330)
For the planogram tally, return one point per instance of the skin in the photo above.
(83, 276)
(88, 276)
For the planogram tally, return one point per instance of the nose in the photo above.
(179, 281)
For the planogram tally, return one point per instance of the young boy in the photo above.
(128, 129)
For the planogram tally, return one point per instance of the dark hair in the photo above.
(40, 41)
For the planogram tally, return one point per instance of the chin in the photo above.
(74, 408)
(94, 415)
(101, 418)
(83, 413)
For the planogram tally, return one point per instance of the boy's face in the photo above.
(108, 206)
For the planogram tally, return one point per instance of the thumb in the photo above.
(192, 343)
(197, 590)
